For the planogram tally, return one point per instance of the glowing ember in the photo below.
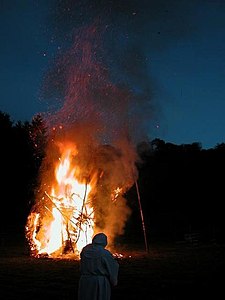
(116, 193)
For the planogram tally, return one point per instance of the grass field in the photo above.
(168, 271)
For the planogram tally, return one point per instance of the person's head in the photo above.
(100, 239)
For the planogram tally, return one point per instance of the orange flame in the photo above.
(67, 222)
(80, 195)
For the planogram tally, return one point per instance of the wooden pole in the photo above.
(142, 217)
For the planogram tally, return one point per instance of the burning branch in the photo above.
(81, 213)
(65, 217)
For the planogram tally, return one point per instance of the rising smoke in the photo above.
(102, 92)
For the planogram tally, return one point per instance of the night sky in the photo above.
(169, 54)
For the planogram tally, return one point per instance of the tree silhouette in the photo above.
(21, 154)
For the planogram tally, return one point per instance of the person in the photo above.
(99, 270)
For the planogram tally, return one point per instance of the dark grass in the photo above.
(169, 271)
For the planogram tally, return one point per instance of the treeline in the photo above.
(182, 191)
(181, 186)
(21, 153)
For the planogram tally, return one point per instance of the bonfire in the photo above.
(74, 204)
(90, 161)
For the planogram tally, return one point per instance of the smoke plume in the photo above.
(101, 94)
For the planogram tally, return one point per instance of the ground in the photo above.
(169, 271)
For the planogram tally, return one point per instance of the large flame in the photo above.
(67, 222)
(80, 195)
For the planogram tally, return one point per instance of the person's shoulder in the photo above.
(107, 253)
(87, 247)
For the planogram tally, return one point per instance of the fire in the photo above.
(95, 157)
(80, 194)
(66, 223)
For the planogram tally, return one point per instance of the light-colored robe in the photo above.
(99, 270)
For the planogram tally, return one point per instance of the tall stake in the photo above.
(142, 217)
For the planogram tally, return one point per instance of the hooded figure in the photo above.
(99, 270)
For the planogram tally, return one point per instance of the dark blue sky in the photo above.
(173, 51)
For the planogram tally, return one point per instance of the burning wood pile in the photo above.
(80, 195)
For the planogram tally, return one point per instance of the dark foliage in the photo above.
(21, 154)
(181, 191)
